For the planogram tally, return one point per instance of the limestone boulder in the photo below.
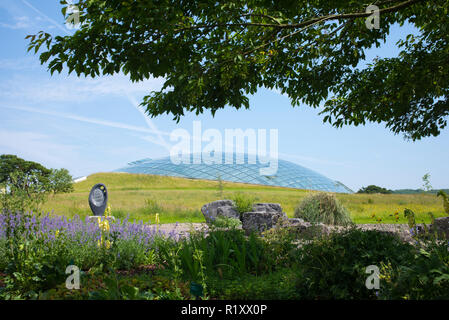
(267, 207)
(224, 208)
(263, 217)
(260, 221)
(441, 226)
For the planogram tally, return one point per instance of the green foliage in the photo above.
(334, 268)
(216, 54)
(323, 207)
(106, 286)
(128, 255)
(410, 215)
(374, 189)
(243, 202)
(283, 242)
(32, 173)
(19, 195)
(60, 181)
(33, 266)
(26, 184)
(445, 201)
(116, 290)
(228, 265)
(225, 252)
(276, 285)
(225, 222)
(426, 182)
(424, 232)
(424, 277)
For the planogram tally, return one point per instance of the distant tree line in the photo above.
(377, 189)
(414, 191)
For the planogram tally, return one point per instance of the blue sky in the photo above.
(94, 125)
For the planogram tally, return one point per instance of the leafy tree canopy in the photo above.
(215, 54)
(32, 177)
(31, 173)
(61, 181)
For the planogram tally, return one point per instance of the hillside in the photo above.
(180, 200)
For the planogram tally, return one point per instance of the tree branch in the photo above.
(313, 21)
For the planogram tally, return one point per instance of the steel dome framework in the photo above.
(288, 174)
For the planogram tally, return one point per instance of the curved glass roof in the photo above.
(288, 174)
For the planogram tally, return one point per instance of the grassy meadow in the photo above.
(179, 200)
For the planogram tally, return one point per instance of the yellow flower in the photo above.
(106, 225)
(108, 211)
(157, 222)
(103, 224)
(107, 243)
(57, 233)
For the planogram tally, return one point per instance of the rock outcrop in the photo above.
(223, 208)
(441, 227)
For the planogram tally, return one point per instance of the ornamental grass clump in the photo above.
(323, 207)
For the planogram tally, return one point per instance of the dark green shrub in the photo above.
(335, 267)
(35, 267)
(281, 243)
(323, 207)
(278, 285)
(423, 278)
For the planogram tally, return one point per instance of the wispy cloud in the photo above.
(23, 22)
(38, 146)
(19, 64)
(89, 120)
(47, 18)
(160, 139)
(38, 88)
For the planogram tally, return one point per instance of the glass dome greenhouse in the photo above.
(288, 174)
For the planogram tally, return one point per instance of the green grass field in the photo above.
(180, 200)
